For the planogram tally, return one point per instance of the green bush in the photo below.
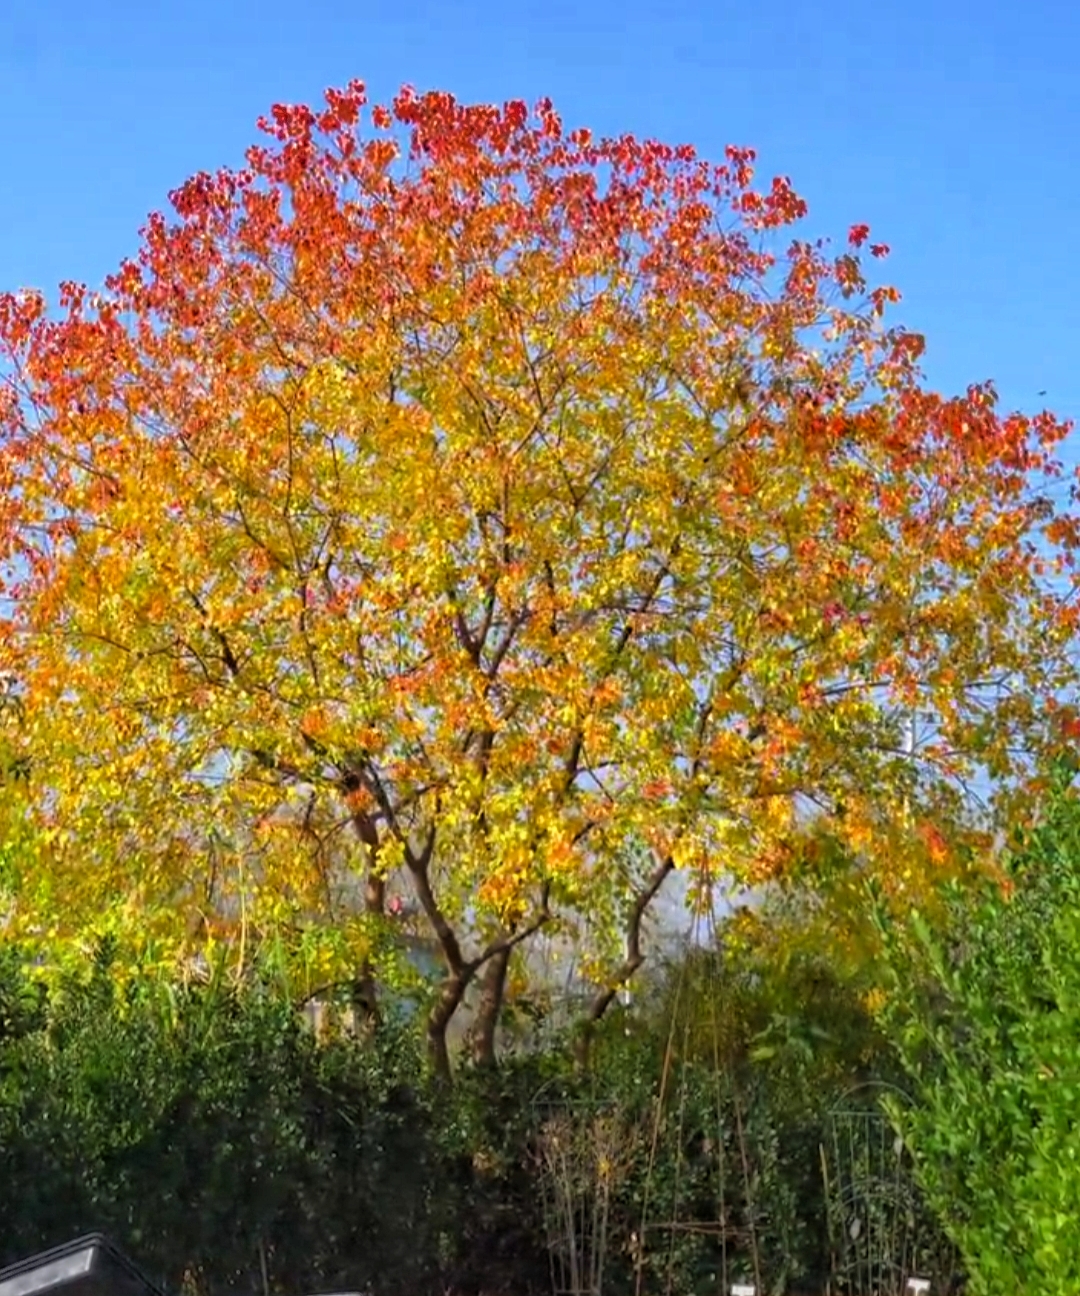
(760, 1039)
(986, 1012)
(212, 1136)
(720, 1185)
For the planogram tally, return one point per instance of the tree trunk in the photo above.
(439, 1019)
(365, 990)
(489, 1011)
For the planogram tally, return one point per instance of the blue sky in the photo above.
(953, 128)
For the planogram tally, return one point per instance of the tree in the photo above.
(494, 496)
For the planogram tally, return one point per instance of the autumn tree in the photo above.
(453, 503)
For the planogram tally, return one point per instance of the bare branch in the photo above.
(635, 956)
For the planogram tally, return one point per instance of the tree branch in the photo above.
(232, 665)
(504, 944)
(418, 862)
(635, 956)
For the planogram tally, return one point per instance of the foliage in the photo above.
(711, 1100)
(717, 1186)
(772, 985)
(495, 495)
(765, 1034)
(494, 1238)
(22, 1002)
(986, 1010)
(207, 1131)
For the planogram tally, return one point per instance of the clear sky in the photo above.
(952, 127)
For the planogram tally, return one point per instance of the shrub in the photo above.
(986, 1011)
(208, 1132)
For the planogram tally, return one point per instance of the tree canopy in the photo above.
(451, 502)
